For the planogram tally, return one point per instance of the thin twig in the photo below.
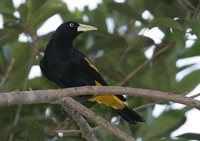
(47, 96)
(194, 96)
(8, 70)
(144, 106)
(86, 130)
(96, 128)
(69, 102)
(17, 115)
(70, 131)
(139, 68)
(188, 6)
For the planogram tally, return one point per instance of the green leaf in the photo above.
(6, 121)
(109, 69)
(99, 21)
(23, 11)
(9, 35)
(179, 37)
(8, 18)
(165, 124)
(139, 42)
(56, 7)
(126, 10)
(189, 82)
(21, 53)
(41, 83)
(170, 9)
(190, 136)
(6, 6)
(160, 75)
(194, 23)
(167, 23)
(190, 52)
(34, 5)
(108, 43)
(31, 131)
(7, 10)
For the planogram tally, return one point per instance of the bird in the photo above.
(66, 66)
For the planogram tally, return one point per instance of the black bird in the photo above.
(68, 67)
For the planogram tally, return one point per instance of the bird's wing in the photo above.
(83, 63)
(88, 67)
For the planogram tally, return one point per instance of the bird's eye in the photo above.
(71, 25)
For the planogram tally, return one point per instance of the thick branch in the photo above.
(94, 117)
(47, 96)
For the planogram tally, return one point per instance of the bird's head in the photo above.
(68, 31)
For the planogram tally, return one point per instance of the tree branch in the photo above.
(86, 130)
(8, 70)
(47, 96)
(70, 131)
(196, 95)
(69, 102)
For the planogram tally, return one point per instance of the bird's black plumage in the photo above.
(68, 67)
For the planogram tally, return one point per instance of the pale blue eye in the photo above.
(71, 25)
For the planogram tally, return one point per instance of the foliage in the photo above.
(115, 52)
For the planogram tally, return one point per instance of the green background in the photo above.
(115, 55)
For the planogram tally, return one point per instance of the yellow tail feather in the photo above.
(109, 100)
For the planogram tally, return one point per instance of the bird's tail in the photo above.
(119, 106)
(129, 115)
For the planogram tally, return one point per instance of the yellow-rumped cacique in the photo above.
(68, 67)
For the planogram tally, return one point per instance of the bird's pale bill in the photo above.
(83, 28)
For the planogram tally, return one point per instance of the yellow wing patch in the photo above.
(107, 99)
(91, 64)
(97, 83)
